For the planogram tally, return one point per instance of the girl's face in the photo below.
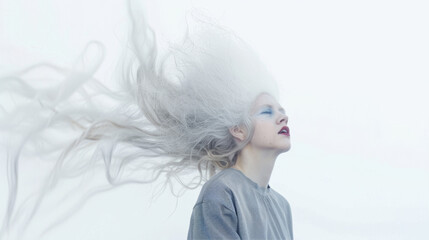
(269, 121)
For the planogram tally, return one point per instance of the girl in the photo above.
(203, 107)
(238, 202)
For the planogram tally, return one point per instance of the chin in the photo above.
(284, 149)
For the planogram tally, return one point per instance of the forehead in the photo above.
(263, 100)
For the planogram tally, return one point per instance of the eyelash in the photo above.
(270, 112)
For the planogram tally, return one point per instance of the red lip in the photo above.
(287, 133)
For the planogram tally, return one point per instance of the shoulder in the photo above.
(280, 198)
(220, 189)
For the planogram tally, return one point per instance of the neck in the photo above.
(256, 164)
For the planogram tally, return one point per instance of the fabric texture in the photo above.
(232, 206)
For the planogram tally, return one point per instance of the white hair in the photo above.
(169, 115)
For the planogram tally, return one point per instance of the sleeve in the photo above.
(289, 218)
(210, 220)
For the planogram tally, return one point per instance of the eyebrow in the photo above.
(282, 110)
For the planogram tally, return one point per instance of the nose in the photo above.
(283, 118)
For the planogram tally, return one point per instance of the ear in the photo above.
(238, 133)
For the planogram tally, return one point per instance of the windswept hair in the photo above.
(169, 115)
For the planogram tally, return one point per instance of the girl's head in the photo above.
(269, 122)
(220, 77)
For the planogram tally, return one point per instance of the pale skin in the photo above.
(256, 160)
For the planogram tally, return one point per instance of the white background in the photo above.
(353, 77)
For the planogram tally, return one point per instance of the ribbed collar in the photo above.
(254, 185)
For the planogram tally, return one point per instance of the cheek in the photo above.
(262, 134)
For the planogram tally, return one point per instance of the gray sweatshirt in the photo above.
(232, 206)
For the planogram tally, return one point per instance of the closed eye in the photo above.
(267, 112)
